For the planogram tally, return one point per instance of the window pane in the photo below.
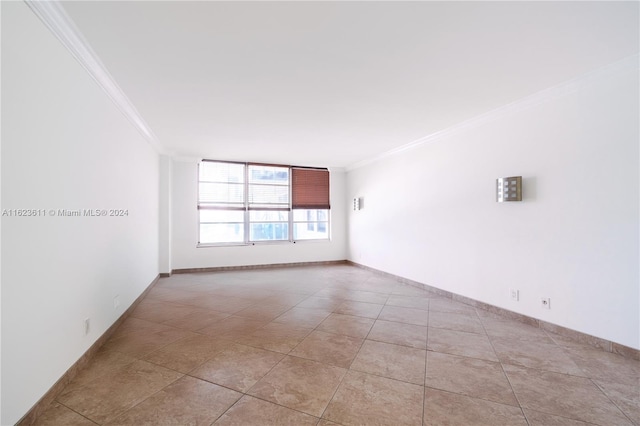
(268, 174)
(221, 233)
(222, 193)
(302, 215)
(268, 195)
(212, 171)
(268, 186)
(221, 216)
(268, 216)
(269, 231)
(311, 231)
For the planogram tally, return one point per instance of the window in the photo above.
(242, 203)
(310, 203)
(268, 203)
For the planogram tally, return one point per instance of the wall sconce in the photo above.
(509, 189)
(358, 203)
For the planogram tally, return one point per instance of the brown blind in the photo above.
(310, 188)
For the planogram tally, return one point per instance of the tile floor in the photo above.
(329, 345)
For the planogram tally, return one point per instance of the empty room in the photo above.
(322, 213)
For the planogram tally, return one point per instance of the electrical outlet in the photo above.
(514, 294)
(545, 302)
(116, 301)
(87, 325)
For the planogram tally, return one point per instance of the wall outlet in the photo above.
(545, 302)
(514, 294)
(116, 301)
(87, 325)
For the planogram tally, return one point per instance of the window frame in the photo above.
(247, 208)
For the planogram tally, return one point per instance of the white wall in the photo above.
(65, 146)
(430, 213)
(185, 254)
(164, 252)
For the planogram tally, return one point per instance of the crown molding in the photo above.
(56, 19)
(628, 64)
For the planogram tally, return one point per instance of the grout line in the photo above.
(71, 409)
(513, 391)
(426, 356)
(601, 389)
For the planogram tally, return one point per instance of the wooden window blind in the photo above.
(309, 188)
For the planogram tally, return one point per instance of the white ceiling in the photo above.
(335, 83)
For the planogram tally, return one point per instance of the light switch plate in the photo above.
(509, 189)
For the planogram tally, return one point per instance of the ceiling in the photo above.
(336, 83)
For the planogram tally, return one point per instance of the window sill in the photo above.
(261, 243)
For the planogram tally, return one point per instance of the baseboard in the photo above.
(72, 372)
(261, 266)
(578, 336)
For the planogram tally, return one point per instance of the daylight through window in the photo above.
(242, 203)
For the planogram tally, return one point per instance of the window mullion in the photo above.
(247, 226)
(291, 239)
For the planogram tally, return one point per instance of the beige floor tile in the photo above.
(158, 293)
(446, 408)
(409, 290)
(299, 384)
(218, 303)
(469, 376)
(461, 343)
(447, 305)
(409, 302)
(105, 399)
(563, 395)
(104, 363)
(510, 329)
(398, 333)
(322, 303)
(367, 297)
(405, 315)
(364, 399)
(285, 298)
(347, 325)
(188, 353)
(324, 422)
(535, 355)
(188, 401)
(158, 311)
(579, 341)
(359, 309)
(263, 311)
(253, 411)
(275, 337)
(303, 317)
(131, 325)
(537, 418)
(606, 366)
(334, 292)
(168, 294)
(198, 318)
(626, 397)
(233, 327)
(252, 291)
(392, 361)
(329, 348)
(454, 321)
(57, 414)
(140, 343)
(238, 367)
